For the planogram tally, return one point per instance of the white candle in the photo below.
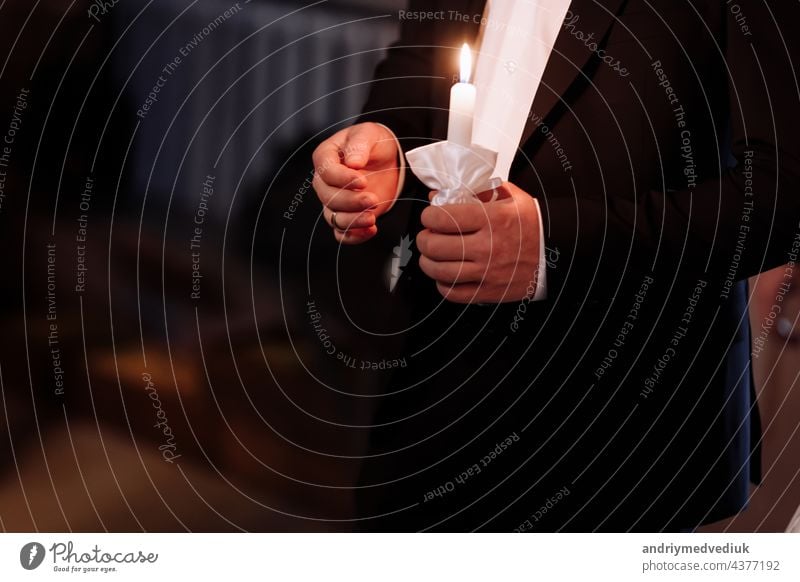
(462, 104)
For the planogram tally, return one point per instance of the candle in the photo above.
(462, 103)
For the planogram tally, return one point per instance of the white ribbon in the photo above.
(457, 173)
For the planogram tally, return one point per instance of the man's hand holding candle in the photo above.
(483, 253)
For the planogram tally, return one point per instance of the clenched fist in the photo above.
(356, 177)
(483, 253)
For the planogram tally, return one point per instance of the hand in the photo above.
(355, 177)
(483, 253)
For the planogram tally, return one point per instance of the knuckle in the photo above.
(470, 272)
(423, 242)
(343, 222)
(435, 213)
(445, 291)
(337, 198)
(480, 247)
(317, 183)
(430, 267)
(424, 265)
(452, 294)
(481, 220)
(426, 217)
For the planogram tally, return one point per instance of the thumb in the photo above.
(360, 140)
(510, 190)
(502, 192)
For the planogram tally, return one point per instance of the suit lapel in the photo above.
(570, 55)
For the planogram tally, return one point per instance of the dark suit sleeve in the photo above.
(724, 229)
(400, 94)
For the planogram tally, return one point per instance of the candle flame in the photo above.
(466, 63)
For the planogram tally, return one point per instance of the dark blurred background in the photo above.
(179, 328)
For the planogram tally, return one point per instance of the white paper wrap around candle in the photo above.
(457, 173)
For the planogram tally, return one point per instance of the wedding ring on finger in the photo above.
(334, 224)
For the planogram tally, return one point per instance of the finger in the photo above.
(447, 247)
(462, 293)
(340, 176)
(342, 200)
(487, 196)
(502, 192)
(511, 190)
(346, 221)
(329, 158)
(455, 218)
(451, 272)
(355, 236)
(328, 153)
(360, 141)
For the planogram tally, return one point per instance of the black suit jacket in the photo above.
(662, 147)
